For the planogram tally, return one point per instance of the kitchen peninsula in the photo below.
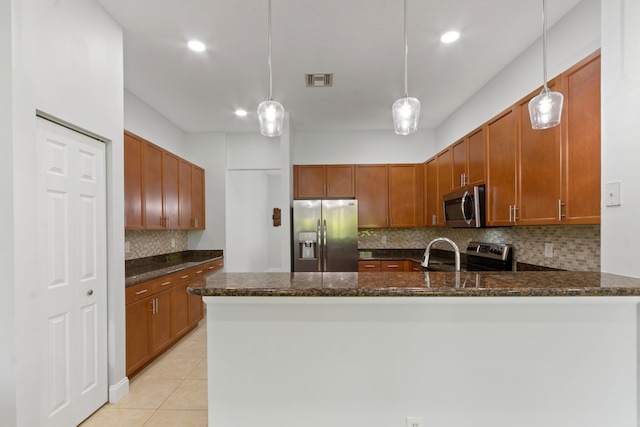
(481, 349)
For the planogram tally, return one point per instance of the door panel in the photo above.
(72, 229)
(340, 219)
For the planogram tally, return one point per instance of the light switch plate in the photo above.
(612, 194)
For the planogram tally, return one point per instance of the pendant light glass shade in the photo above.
(545, 110)
(406, 111)
(270, 112)
(271, 116)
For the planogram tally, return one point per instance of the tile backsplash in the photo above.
(144, 243)
(575, 248)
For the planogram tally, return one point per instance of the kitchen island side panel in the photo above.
(495, 362)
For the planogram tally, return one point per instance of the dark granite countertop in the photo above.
(148, 268)
(423, 284)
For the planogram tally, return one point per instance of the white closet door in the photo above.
(73, 276)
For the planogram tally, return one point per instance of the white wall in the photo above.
(147, 123)
(362, 147)
(209, 151)
(258, 180)
(67, 62)
(8, 380)
(572, 38)
(482, 362)
(620, 132)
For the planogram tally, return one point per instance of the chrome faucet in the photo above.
(425, 258)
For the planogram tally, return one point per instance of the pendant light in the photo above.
(270, 112)
(406, 111)
(545, 110)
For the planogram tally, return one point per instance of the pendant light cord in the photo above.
(544, 41)
(269, 59)
(406, 50)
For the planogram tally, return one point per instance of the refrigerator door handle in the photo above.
(319, 248)
(324, 244)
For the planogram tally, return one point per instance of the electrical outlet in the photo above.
(414, 422)
(127, 247)
(548, 250)
(383, 239)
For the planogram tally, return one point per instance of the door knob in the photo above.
(90, 292)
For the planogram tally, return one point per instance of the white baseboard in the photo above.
(119, 390)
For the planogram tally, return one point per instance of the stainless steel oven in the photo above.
(489, 257)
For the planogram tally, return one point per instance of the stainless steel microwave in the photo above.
(465, 208)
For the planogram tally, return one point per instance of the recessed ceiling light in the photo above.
(196, 46)
(241, 113)
(450, 37)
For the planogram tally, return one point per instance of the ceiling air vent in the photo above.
(319, 80)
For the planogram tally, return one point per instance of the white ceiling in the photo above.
(359, 41)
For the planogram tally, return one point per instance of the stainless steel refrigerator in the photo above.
(325, 235)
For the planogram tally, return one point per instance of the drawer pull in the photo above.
(199, 272)
(141, 292)
(186, 276)
(392, 266)
(165, 283)
(369, 266)
(211, 267)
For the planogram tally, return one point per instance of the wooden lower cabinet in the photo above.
(138, 316)
(364, 266)
(181, 320)
(196, 306)
(395, 265)
(160, 312)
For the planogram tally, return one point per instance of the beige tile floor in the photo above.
(171, 391)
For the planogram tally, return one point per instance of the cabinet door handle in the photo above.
(195, 222)
(157, 306)
(165, 283)
(153, 306)
(142, 291)
(515, 213)
(560, 214)
(168, 222)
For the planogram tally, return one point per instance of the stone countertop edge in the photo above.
(163, 270)
(419, 284)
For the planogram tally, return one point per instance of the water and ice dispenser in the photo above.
(308, 241)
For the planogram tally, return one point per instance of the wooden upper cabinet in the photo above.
(405, 195)
(324, 181)
(476, 144)
(372, 188)
(468, 160)
(152, 186)
(197, 198)
(162, 191)
(133, 202)
(185, 195)
(460, 163)
(170, 190)
(539, 169)
(431, 192)
(581, 145)
(501, 169)
(445, 184)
